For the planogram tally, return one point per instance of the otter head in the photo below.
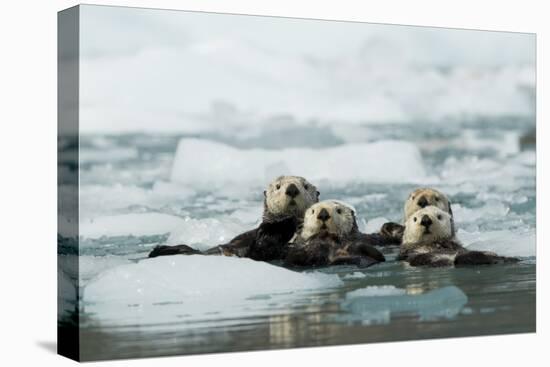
(426, 226)
(289, 196)
(329, 217)
(421, 198)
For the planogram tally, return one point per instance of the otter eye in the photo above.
(278, 186)
(306, 186)
(414, 219)
(412, 197)
(312, 211)
(436, 199)
(439, 216)
(339, 211)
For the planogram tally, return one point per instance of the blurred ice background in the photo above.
(186, 116)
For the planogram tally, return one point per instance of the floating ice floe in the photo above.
(376, 304)
(355, 275)
(203, 163)
(90, 266)
(479, 172)
(375, 224)
(491, 210)
(203, 234)
(376, 291)
(191, 288)
(505, 243)
(101, 199)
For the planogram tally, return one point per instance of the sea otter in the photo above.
(429, 240)
(285, 201)
(418, 199)
(329, 236)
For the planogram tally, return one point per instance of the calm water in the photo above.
(489, 177)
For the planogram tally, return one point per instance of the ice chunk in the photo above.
(487, 171)
(248, 214)
(95, 199)
(137, 224)
(203, 234)
(375, 305)
(203, 163)
(192, 288)
(376, 291)
(355, 275)
(91, 266)
(505, 243)
(103, 199)
(491, 209)
(375, 224)
(507, 145)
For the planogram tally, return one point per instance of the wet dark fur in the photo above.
(268, 242)
(163, 250)
(448, 253)
(329, 251)
(324, 249)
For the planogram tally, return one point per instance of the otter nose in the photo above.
(323, 215)
(292, 191)
(426, 221)
(422, 202)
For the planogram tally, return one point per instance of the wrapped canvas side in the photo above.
(67, 183)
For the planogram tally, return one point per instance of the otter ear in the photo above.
(318, 193)
(265, 193)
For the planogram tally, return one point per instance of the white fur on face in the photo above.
(433, 198)
(440, 229)
(340, 223)
(279, 203)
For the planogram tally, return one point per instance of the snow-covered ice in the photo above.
(503, 242)
(165, 289)
(203, 234)
(201, 163)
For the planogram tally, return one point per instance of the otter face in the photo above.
(290, 195)
(330, 217)
(421, 198)
(427, 226)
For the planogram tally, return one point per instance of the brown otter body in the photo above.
(429, 240)
(329, 236)
(285, 202)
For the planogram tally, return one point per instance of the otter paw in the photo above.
(392, 231)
